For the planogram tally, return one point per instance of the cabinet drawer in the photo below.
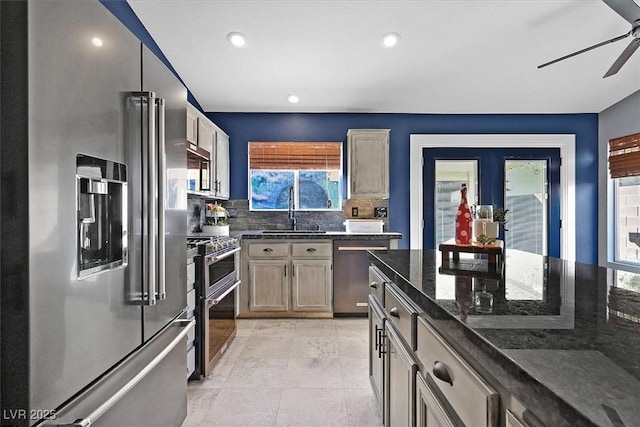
(269, 250)
(376, 283)
(401, 313)
(311, 250)
(469, 395)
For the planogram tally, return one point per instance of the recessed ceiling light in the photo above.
(97, 42)
(237, 39)
(293, 99)
(390, 39)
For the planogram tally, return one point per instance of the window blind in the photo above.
(624, 156)
(295, 155)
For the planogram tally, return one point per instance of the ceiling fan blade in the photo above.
(624, 57)
(615, 39)
(625, 8)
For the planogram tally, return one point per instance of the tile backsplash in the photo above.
(244, 219)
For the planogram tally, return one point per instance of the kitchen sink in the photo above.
(293, 231)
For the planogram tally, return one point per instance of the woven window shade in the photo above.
(624, 156)
(295, 155)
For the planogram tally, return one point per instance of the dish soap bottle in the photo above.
(463, 219)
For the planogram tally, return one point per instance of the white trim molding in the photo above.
(565, 142)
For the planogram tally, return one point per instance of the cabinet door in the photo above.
(268, 285)
(400, 374)
(376, 350)
(311, 285)
(206, 135)
(192, 125)
(429, 410)
(222, 166)
(368, 163)
(206, 141)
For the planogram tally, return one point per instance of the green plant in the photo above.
(500, 214)
(485, 240)
(216, 215)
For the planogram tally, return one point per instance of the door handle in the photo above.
(149, 204)
(377, 336)
(186, 326)
(162, 186)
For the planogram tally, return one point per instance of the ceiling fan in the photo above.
(630, 11)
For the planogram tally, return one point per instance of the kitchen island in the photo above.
(558, 341)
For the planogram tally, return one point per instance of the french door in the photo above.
(524, 180)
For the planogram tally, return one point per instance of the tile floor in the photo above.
(289, 372)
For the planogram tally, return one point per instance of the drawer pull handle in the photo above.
(267, 250)
(311, 249)
(373, 285)
(381, 336)
(394, 312)
(440, 372)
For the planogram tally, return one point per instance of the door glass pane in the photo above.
(627, 209)
(526, 199)
(450, 174)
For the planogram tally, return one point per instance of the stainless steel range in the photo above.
(217, 279)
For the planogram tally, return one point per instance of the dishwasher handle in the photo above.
(362, 248)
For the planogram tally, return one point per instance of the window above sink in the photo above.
(312, 169)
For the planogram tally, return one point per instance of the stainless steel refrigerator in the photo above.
(93, 222)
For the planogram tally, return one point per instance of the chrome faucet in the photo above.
(292, 210)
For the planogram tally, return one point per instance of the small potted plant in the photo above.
(487, 221)
(217, 220)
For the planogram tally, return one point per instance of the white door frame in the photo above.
(565, 142)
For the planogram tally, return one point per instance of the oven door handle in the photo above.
(215, 258)
(216, 300)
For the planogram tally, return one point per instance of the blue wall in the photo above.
(244, 127)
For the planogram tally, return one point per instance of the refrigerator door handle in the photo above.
(149, 199)
(152, 205)
(107, 404)
(162, 184)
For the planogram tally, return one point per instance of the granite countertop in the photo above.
(342, 235)
(561, 337)
(288, 234)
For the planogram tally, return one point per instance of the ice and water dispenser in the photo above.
(101, 187)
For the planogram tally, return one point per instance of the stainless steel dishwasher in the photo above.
(351, 275)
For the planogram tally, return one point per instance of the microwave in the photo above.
(198, 169)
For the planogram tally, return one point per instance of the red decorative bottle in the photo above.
(463, 219)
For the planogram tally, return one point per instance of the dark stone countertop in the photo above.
(332, 235)
(563, 338)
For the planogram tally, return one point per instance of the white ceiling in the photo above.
(471, 56)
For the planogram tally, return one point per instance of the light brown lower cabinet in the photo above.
(429, 410)
(268, 285)
(287, 277)
(446, 392)
(400, 374)
(473, 400)
(311, 287)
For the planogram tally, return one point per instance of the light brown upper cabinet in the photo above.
(368, 159)
(207, 139)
